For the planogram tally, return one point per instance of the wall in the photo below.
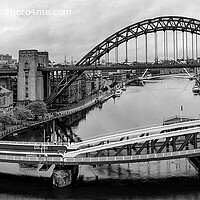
(6, 101)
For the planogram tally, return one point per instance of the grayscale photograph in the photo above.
(100, 99)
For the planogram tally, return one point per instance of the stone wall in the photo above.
(6, 101)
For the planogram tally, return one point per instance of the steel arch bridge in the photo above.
(163, 24)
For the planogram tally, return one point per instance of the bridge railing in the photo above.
(177, 119)
(60, 159)
(132, 158)
(178, 116)
(122, 131)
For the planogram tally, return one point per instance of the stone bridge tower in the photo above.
(30, 79)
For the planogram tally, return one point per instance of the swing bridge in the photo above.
(173, 36)
(180, 140)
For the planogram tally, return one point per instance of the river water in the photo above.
(138, 106)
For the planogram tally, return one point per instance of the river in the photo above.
(138, 106)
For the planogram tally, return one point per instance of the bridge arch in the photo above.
(173, 23)
(154, 25)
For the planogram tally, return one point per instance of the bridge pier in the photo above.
(65, 175)
(195, 162)
(56, 131)
(48, 131)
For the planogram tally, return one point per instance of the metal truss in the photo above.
(155, 146)
(173, 23)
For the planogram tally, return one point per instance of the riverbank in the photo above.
(82, 105)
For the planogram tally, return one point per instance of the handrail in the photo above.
(178, 116)
(122, 131)
(136, 129)
(133, 140)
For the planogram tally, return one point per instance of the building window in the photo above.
(26, 84)
(26, 70)
(4, 101)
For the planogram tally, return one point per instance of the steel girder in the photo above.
(169, 144)
(123, 136)
(141, 28)
(173, 23)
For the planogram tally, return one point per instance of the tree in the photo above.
(21, 113)
(37, 108)
(6, 119)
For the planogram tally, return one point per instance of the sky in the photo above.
(76, 32)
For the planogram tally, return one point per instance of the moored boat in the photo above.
(124, 88)
(196, 89)
(118, 92)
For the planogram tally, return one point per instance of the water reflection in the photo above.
(138, 106)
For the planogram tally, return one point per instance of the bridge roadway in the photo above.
(48, 147)
(112, 146)
(132, 141)
(133, 133)
(118, 66)
(14, 72)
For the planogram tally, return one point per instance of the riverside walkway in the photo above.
(54, 115)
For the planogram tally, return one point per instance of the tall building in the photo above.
(10, 83)
(30, 79)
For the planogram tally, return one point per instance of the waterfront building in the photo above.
(84, 86)
(7, 62)
(30, 80)
(32, 83)
(98, 82)
(107, 72)
(10, 83)
(74, 91)
(119, 77)
(6, 100)
(93, 82)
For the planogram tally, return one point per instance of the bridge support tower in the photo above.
(30, 80)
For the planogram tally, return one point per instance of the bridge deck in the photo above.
(59, 159)
(32, 152)
(119, 66)
(133, 133)
(131, 141)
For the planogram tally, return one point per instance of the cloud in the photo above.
(90, 22)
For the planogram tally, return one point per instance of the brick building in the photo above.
(30, 80)
(6, 100)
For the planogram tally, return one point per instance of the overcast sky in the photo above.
(90, 22)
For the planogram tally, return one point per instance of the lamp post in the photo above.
(44, 141)
(26, 72)
(181, 113)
